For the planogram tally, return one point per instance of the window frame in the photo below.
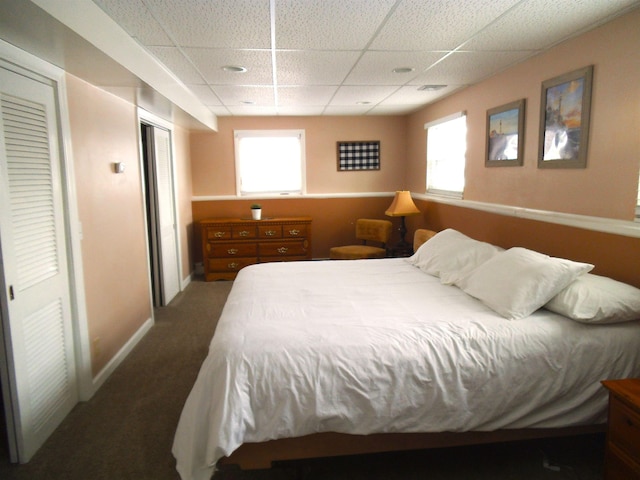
(427, 126)
(274, 133)
(637, 216)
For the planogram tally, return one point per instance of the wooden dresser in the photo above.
(229, 244)
(622, 460)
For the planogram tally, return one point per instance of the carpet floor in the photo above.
(126, 430)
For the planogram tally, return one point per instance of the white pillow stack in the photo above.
(517, 282)
(451, 255)
(596, 299)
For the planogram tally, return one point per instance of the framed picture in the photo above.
(362, 155)
(505, 135)
(564, 120)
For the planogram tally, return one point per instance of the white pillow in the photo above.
(596, 299)
(451, 255)
(517, 282)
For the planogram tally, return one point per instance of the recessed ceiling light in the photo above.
(431, 88)
(234, 69)
(403, 70)
(247, 102)
(363, 103)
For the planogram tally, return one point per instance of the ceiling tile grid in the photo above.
(336, 57)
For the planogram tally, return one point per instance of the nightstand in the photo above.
(622, 460)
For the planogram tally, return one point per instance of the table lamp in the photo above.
(402, 206)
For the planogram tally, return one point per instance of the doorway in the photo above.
(157, 161)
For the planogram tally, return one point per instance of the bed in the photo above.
(337, 357)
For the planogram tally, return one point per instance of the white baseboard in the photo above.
(117, 359)
(186, 281)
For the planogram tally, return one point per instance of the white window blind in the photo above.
(446, 150)
(269, 161)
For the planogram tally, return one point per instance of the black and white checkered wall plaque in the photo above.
(363, 155)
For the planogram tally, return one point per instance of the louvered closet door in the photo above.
(38, 332)
(166, 215)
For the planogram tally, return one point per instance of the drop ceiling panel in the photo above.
(134, 17)
(178, 64)
(219, 23)
(206, 95)
(328, 24)
(305, 96)
(347, 109)
(463, 68)
(548, 22)
(209, 63)
(377, 67)
(437, 24)
(314, 67)
(235, 95)
(245, 110)
(300, 110)
(351, 95)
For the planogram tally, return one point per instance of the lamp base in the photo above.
(400, 249)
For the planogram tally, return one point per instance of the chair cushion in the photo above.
(373, 230)
(355, 252)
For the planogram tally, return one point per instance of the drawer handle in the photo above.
(294, 232)
(232, 265)
(283, 250)
(243, 233)
(270, 233)
(232, 251)
(218, 234)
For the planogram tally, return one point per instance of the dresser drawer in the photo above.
(232, 249)
(285, 248)
(229, 264)
(243, 232)
(619, 466)
(217, 233)
(270, 231)
(624, 427)
(294, 231)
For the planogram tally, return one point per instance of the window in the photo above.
(269, 161)
(446, 149)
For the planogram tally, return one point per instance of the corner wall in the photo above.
(608, 186)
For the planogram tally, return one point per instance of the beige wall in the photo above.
(608, 186)
(103, 131)
(213, 163)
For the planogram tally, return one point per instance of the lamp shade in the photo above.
(402, 205)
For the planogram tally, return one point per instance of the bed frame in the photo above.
(261, 455)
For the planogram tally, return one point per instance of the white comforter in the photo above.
(379, 346)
